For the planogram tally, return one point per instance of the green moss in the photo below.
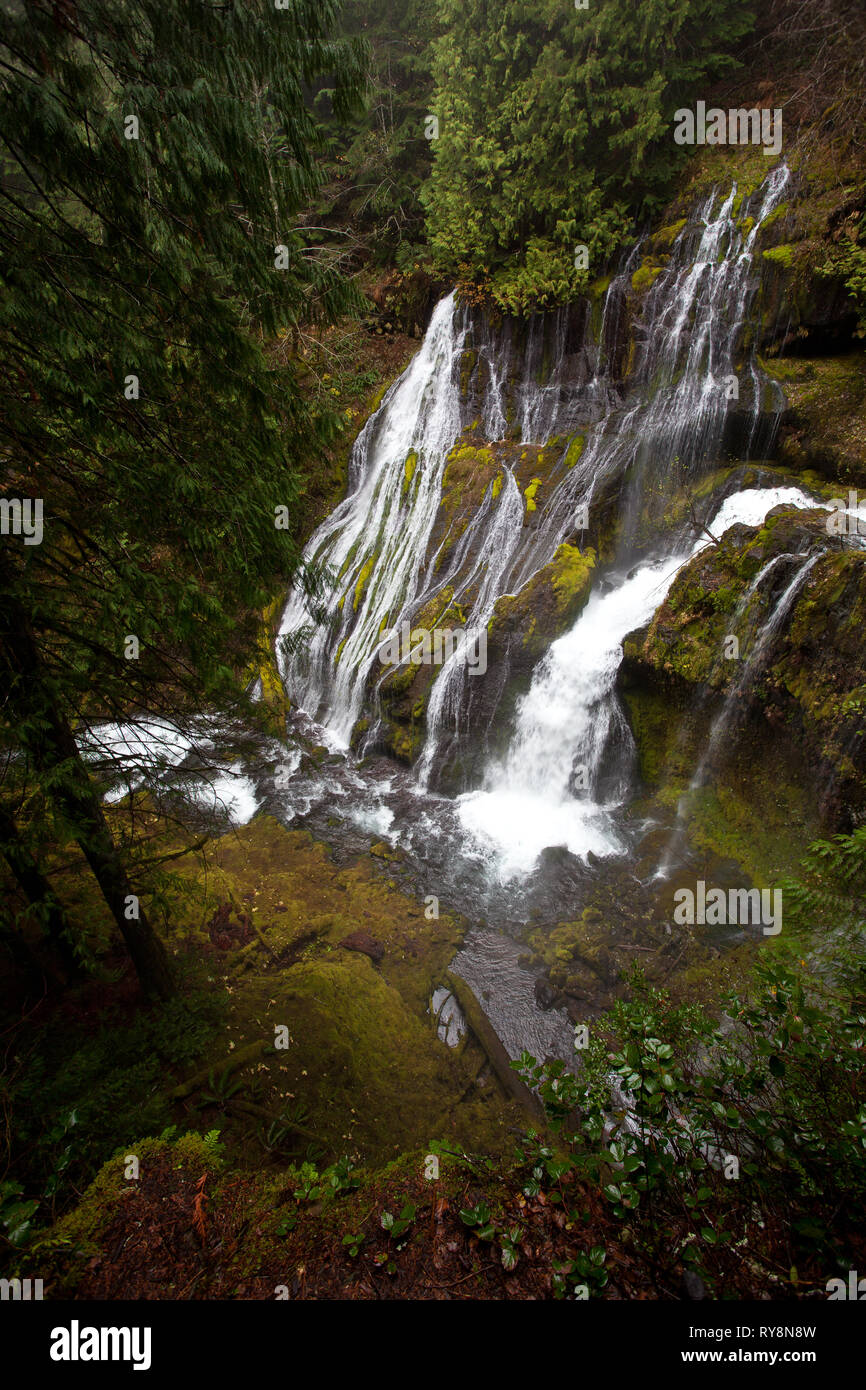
(803, 709)
(645, 277)
(546, 605)
(468, 363)
(529, 494)
(662, 752)
(599, 288)
(376, 399)
(358, 732)
(827, 400)
(353, 550)
(782, 210)
(274, 701)
(571, 575)
(666, 236)
(575, 449)
(409, 470)
(780, 255)
(362, 581)
(497, 486)
(762, 824)
(77, 1237)
(463, 460)
(362, 1056)
(404, 743)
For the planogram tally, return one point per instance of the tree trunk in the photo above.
(50, 742)
(39, 893)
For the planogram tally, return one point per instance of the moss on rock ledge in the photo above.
(796, 721)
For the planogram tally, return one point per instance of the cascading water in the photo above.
(375, 541)
(648, 424)
(565, 722)
(377, 547)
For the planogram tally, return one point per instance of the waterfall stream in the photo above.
(562, 772)
(376, 548)
(571, 714)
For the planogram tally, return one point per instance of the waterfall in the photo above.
(571, 715)
(373, 545)
(649, 434)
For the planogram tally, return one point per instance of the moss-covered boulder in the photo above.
(772, 672)
(524, 624)
(824, 425)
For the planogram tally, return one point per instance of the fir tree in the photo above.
(157, 158)
(555, 130)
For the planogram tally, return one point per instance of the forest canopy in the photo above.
(554, 130)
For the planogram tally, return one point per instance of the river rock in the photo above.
(546, 996)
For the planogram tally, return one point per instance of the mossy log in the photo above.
(496, 1054)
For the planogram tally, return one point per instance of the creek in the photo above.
(509, 805)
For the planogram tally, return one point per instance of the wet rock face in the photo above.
(521, 630)
(797, 690)
(546, 995)
(824, 424)
(522, 626)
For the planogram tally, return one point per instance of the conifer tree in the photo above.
(555, 130)
(377, 163)
(156, 159)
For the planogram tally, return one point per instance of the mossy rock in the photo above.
(357, 1029)
(78, 1239)
(665, 237)
(409, 471)
(575, 449)
(529, 494)
(645, 277)
(824, 426)
(799, 720)
(780, 255)
(362, 581)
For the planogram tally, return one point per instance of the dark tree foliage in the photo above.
(154, 157)
(377, 163)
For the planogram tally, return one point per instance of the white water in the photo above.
(564, 720)
(144, 752)
(381, 530)
(383, 566)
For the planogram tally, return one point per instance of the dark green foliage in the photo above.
(555, 130)
(830, 890)
(155, 258)
(376, 164)
(71, 1095)
(848, 262)
(752, 1125)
